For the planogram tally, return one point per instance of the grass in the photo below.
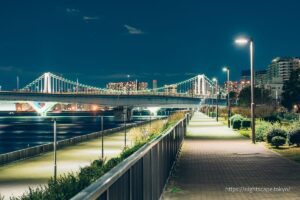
(175, 189)
(245, 132)
(289, 152)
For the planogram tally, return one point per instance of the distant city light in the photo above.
(94, 107)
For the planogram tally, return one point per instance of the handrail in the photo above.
(103, 184)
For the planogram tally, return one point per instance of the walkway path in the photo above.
(15, 178)
(217, 163)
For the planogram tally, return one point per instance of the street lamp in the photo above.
(227, 69)
(125, 135)
(102, 139)
(54, 149)
(217, 102)
(244, 41)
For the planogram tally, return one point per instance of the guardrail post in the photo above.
(130, 183)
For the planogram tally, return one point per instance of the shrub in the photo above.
(175, 117)
(223, 112)
(294, 125)
(275, 132)
(246, 123)
(242, 111)
(264, 111)
(212, 114)
(236, 117)
(111, 164)
(236, 124)
(272, 118)
(290, 116)
(295, 136)
(126, 153)
(261, 130)
(278, 141)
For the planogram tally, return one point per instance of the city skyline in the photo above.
(168, 41)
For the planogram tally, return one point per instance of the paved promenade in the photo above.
(217, 163)
(15, 178)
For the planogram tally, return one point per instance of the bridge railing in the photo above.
(144, 174)
(119, 94)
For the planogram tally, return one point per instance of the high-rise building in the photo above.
(246, 75)
(154, 84)
(127, 86)
(233, 86)
(279, 71)
(282, 67)
(261, 78)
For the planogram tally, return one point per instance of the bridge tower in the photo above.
(47, 82)
(200, 86)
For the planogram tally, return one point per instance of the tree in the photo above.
(291, 90)
(261, 96)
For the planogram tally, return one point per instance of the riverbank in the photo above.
(15, 178)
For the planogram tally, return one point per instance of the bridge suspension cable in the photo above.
(199, 85)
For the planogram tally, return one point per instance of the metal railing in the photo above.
(44, 148)
(143, 175)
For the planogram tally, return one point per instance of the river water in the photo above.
(23, 131)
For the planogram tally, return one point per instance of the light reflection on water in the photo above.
(26, 131)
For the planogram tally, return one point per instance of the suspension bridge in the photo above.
(50, 89)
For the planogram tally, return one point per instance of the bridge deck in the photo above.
(215, 161)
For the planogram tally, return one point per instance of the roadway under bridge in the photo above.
(133, 100)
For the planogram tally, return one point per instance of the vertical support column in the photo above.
(198, 85)
(47, 82)
(203, 86)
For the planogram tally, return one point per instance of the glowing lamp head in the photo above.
(225, 69)
(214, 80)
(241, 41)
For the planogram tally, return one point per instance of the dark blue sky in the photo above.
(167, 40)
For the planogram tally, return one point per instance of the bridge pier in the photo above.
(42, 110)
(121, 112)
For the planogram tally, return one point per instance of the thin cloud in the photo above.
(72, 10)
(10, 69)
(90, 18)
(133, 30)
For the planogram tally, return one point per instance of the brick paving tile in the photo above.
(218, 163)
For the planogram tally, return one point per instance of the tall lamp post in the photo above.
(54, 149)
(102, 139)
(226, 69)
(125, 135)
(244, 41)
(217, 101)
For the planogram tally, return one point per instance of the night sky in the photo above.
(167, 40)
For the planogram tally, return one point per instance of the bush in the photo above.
(246, 123)
(236, 124)
(261, 130)
(295, 136)
(290, 116)
(212, 114)
(272, 118)
(275, 132)
(242, 111)
(236, 117)
(278, 141)
(264, 111)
